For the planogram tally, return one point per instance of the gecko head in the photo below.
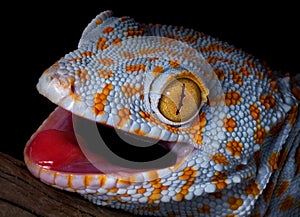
(137, 116)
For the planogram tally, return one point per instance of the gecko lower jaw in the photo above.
(61, 145)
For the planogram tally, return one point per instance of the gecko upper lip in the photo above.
(56, 147)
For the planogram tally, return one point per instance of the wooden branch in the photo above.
(23, 195)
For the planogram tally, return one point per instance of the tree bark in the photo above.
(23, 195)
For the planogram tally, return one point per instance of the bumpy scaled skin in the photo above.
(244, 133)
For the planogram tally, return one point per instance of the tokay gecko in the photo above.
(161, 120)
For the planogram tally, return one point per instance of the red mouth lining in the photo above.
(55, 147)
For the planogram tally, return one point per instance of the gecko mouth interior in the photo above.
(64, 146)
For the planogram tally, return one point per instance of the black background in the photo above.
(34, 36)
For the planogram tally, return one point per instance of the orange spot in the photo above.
(259, 75)
(71, 84)
(196, 128)
(158, 70)
(88, 179)
(98, 21)
(235, 203)
(219, 158)
(152, 175)
(231, 215)
(130, 90)
(267, 193)
(105, 73)
(188, 175)
(106, 61)
(273, 86)
(235, 148)
(272, 160)
(212, 60)
(250, 64)
(147, 51)
(260, 134)
(174, 64)
(101, 44)
(113, 190)
(244, 71)
(220, 74)
(116, 41)
(232, 98)
(237, 78)
(141, 190)
(74, 59)
(83, 75)
(87, 54)
(124, 115)
(149, 118)
(100, 99)
(229, 124)
(296, 92)
(134, 32)
(139, 132)
(127, 55)
(184, 177)
(70, 180)
(156, 193)
(108, 30)
(152, 59)
(121, 195)
(217, 195)
(205, 209)
(219, 179)
(254, 112)
(252, 189)
(154, 197)
(287, 203)
(135, 68)
(282, 187)
(142, 97)
(83, 54)
(189, 39)
(102, 180)
(124, 182)
(268, 101)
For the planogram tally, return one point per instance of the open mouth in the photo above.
(64, 143)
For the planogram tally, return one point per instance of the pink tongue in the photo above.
(58, 150)
(54, 146)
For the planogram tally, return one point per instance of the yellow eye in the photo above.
(180, 100)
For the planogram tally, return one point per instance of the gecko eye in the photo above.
(176, 97)
(180, 100)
